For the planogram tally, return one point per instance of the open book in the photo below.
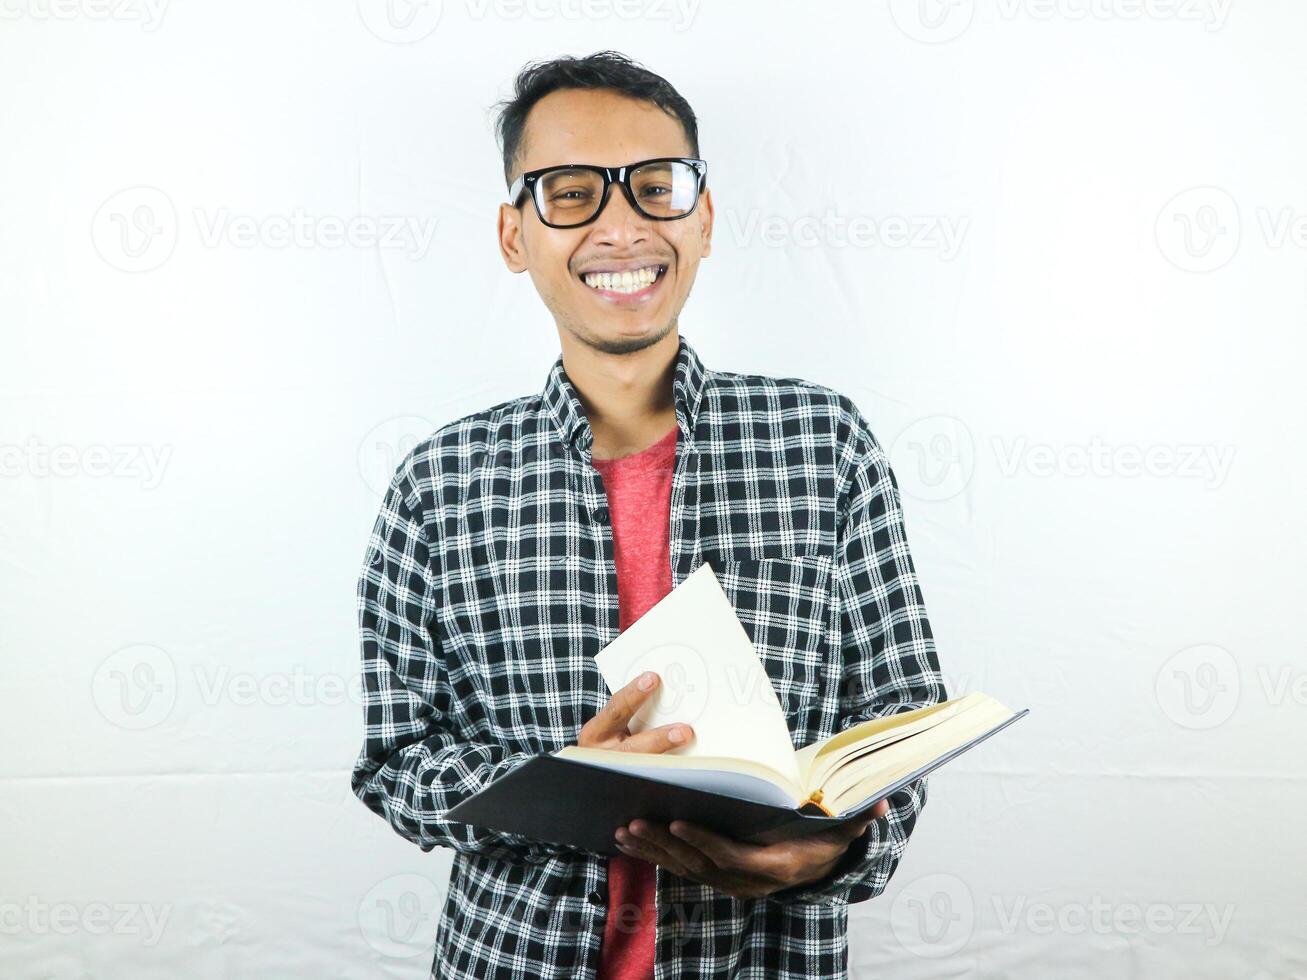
(740, 774)
(837, 776)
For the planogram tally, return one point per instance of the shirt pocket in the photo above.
(786, 607)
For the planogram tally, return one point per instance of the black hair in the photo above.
(601, 70)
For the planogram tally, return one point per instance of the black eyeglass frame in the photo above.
(611, 175)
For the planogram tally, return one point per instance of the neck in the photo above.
(627, 397)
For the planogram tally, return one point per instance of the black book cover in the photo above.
(564, 801)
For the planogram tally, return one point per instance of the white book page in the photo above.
(712, 677)
(737, 784)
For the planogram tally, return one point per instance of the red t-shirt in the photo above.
(639, 489)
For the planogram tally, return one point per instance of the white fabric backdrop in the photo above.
(1055, 251)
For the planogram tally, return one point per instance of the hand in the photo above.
(607, 730)
(734, 867)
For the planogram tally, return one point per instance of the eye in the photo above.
(571, 194)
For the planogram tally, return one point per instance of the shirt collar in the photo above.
(564, 405)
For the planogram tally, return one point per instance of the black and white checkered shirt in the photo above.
(490, 584)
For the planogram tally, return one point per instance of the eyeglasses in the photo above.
(573, 194)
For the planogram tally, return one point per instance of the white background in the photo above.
(1085, 355)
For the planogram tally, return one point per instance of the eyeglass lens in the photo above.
(667, 189)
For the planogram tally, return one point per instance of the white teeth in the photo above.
(622, 282)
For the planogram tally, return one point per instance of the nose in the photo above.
(618, 219)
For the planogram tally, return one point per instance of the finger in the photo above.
(611, 720)
(646, 850)
(880, 809)
(660, 739)
(855, 830)
(721, 850)
(844, 834)
(683, 853)
(730, 884)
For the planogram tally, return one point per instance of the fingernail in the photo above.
(676, 735)
(647, 680)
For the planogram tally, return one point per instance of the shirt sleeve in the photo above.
(413, 766)
(888, 655)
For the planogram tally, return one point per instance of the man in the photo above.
(515, 543)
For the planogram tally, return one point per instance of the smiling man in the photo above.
(514, 544)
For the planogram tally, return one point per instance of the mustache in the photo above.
(667, 261)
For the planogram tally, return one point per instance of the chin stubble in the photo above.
(628, 345)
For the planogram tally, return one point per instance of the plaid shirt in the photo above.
(490, 584)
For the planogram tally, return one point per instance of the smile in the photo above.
(633, 282)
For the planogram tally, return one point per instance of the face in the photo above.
(606, 129)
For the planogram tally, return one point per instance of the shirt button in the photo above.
(601, 515)
(595, 898)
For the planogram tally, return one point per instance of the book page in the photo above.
(820, 759)
(743, 779)
(712, 677)
(858, 781)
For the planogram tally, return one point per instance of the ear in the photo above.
(705, 223)
(511, 244)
